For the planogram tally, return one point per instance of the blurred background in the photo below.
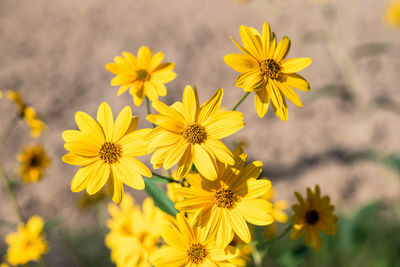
(345, 138)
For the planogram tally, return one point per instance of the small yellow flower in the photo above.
(266, 72)
(188, 245)
(229, 202)
(392, 14)
(106, 151)
(36, 126)
(188, 133)
(143, 75)
(28, 243)
(134, 234)
(34, 161)
(311, 215)
(277, 212)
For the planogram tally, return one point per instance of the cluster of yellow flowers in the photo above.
(216, 194)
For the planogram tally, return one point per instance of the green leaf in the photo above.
(160, 198)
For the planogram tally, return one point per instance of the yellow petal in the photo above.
(266, 39)
(137, 166)
(128, 176)
(130, 59)
(241, 48)
(221, 152)
(161, 89)
(254, 188)
(122, 123)
(239, 225)
(175, 154)
(122, 79)
(88, 125)
(162, 75)
(252, 82)
(156, 61)
(255, 211)
(290, 94)
(297, 81)
(164, 109)
(73, 159)
(224, 230)
(193, 204)
(241, 63)
(204, 163)
(166, 122)
(78, 136)
(106, 120)
(250, 41)
(185, 163)
(82, 149)
(151, 91)
(295, 64)
(282, 49)
(224, 124)
(169, 257)
(99, 178)
(144, 57)
(123, 89)
(211, 107)
(261, 101)
(117, 189)
(81, 178)
(274, 94)
(191, 104)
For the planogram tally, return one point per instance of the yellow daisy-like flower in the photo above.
(143, 75)
(188, 133)
(311, 215)
(36, 126)
(266, 72)
(392, 14)
(188, 245)
(228, 202)
(106, 151)
(134, 234)
(34, 161)
(28, 243)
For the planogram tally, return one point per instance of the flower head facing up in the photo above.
(188, 133)
(34, 161)
(143, 75)
(224, 205)
(28, 243)
(106, 151)
(134, 233)
(311, 215)
(392, 14)
(266, 72)
(188, 245)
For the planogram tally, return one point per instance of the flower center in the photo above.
(270, 68)
(34, 161)
(194, 134)
(225, 198)
(142, 75)
(197, 253)
(312, 217)
(110, 152)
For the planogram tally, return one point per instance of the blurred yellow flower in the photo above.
(188, 245)
(266, 72)
(277, 212)
(392, 14)
(33, 161)
(244, 256)
(4, 265)
(143, 75)
(106, 151)
(188, 133)
(36, 126)
(134, 234)
(311, 215)
(228, 202)
(28, 243)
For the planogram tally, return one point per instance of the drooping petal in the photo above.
(239, 225)
(290, 94)
(261, 101)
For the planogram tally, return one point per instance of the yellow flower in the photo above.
(28, 243)
(134, 234)
(244, 256)
(266, 72)
(188, 245)
(188, 133)
(34, 161)
(36, 126)
(143, 76)
(106, 151)
(228, 202)
(4, 264)
(311, 215)
(392, 14)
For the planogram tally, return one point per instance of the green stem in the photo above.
(7, 131)
(170, 180)
(240, 101)
(149, 108)
(11, 194)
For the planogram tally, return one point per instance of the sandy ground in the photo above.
(55, 51)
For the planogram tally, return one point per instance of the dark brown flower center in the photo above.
(110, 152)
(142, 75)
(270, 68)
(197, 253)
(194, 134)
(34, 161)
(312, 217)
(225, 198)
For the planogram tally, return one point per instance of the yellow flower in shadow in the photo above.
(33, 161)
